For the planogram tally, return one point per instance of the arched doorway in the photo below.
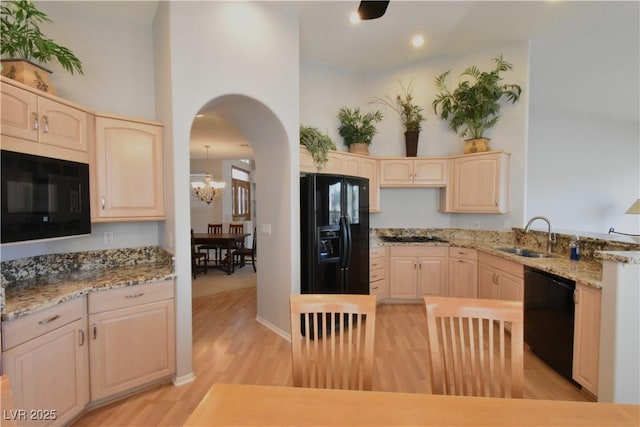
(243, 119)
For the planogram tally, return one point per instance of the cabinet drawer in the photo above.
(130, 296)
(438, 251)
(463, 253)
(19, 331)
(377, 263)
(379, 252)
(377, 274)
(380, 288)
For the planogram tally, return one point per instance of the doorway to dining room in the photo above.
(263, 131)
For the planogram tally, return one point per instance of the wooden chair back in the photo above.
(214, 229)
(236, 228)
(332, 339)
(468, 342)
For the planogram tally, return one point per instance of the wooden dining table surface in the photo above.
(258, 405)
(224, 240)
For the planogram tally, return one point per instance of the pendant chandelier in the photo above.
(208, 190)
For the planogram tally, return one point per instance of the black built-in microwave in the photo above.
(43, 197)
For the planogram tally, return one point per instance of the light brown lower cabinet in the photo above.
(463, 273)
(417, 270)
(46, 359)
(379, 273)
(499, 278)
(586, 337)
(132, 337)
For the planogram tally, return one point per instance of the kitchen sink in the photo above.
(525, 252)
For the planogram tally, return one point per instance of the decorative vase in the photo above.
(477, 145)
(359, 148)
(411, 142)
(28, 73)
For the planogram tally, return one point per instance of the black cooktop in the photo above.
(405, 239)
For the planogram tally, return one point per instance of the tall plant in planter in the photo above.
(22, 42)
(474, 106)
(410, 115)
(358, 129)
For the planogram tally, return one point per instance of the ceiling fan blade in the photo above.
(372, 9)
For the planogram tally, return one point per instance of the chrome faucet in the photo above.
(551, 237)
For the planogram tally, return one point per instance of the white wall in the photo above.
(250, 71)
(584, 141)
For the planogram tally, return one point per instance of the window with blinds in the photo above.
(241, 194)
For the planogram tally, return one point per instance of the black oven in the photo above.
(43, 198)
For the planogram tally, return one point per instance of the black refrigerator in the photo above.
(334, 215)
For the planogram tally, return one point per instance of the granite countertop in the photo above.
(586, 272)
(33, 295)
(627, 257)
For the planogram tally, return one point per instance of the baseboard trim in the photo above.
(184, 379)
(274, 328)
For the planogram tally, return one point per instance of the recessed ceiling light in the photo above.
(417, 41)
(354, 18)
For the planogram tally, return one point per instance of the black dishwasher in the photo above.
(548, 318)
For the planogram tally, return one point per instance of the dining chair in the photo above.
(332, 339)
(198, 259)
(239, 255)
(236, 228)
(472, 353)
(212, 229)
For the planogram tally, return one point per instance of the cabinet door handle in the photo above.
(46, 124)
(461, 260)
(374, 288)
(95, 331)
(135, 295)
(103, 202)
(81, 337)
(49, 319)
(36, 124)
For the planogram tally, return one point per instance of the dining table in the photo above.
(263, 405)
(228, 241)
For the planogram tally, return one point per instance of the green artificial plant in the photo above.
(473, 106)
(403, 105)
(21, 38)
(317, 143)
(357, 128)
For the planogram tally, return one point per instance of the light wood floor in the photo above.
(229, 346)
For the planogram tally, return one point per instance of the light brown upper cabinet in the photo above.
(478, 183)
(341, 163)
(42, 125)
(413, 172)
(127, 174)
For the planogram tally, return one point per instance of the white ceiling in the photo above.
(327, 37)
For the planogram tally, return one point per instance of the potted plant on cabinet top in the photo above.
(356, 129)
(317, 143)
(21, 42)
(474, 107)
(410, 114)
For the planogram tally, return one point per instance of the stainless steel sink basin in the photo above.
(525, 252)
